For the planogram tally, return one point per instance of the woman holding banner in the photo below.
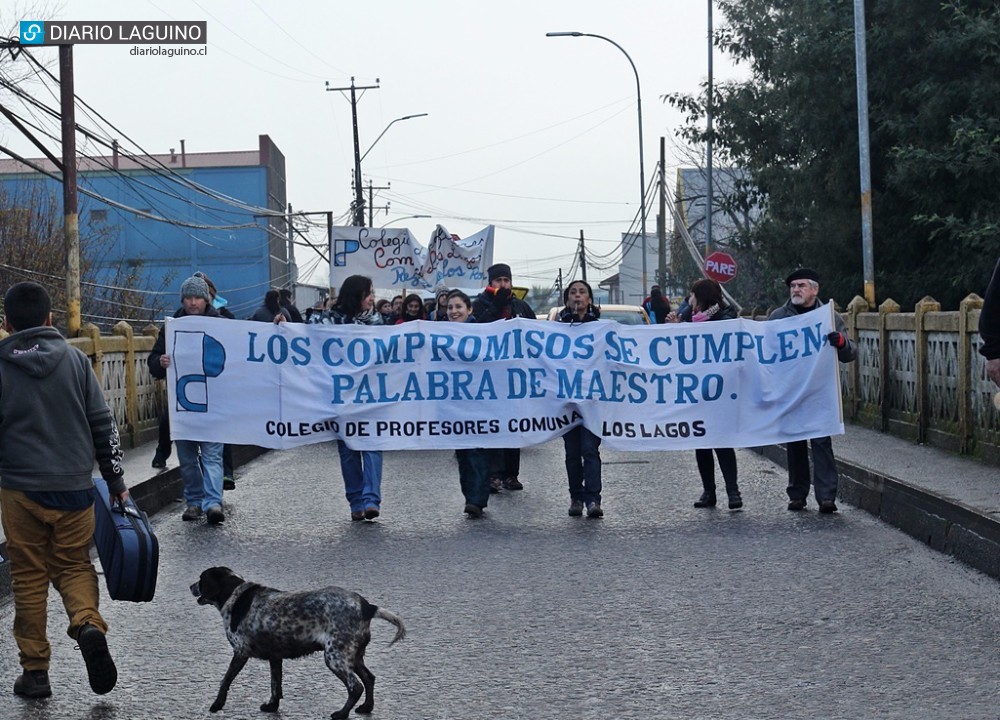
(473, 463)
(362, 469)
(583, 454)
(707, 304)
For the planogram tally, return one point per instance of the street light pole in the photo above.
(357, 165)
(405, 217)
(642, 163)
(405, 117)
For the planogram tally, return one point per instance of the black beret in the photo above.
(802, 274)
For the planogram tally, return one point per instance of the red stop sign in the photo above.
(720, 266)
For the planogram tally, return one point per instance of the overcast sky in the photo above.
(536, 135)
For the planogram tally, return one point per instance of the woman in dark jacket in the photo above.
(473, 463)
(271, 310)
(583, 454)
(707, 304)
(657, 306)
(362, 469)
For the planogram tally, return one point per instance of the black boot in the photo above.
(706, 500)
(735, 500)
(160, 458)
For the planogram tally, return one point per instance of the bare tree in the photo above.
(16, 70)
(32, 248)
(540, 298)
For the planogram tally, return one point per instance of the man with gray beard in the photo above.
(803, 291)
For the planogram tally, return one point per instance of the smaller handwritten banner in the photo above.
(393, 258)
(732, 383)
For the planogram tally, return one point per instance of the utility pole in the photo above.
(661, 228)
(329, 243)
(559, 282)
(359, 198)
(708, 134)
(71, 227)
(371, 202)
(864, 150)
(290, 268)
(583, 259)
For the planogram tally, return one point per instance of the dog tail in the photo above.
(395, 620)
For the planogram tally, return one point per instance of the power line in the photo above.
(295, 39)
(129, 180)
(146, 160)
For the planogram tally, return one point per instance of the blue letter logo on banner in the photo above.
(343, 248)
(192, 383)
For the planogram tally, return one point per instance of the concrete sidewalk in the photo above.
(951, 503)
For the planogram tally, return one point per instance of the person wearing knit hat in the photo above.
(497, 302)
(228, 468)
(201, 462)
(218, 302)
(195, 287)
(803, 297)
(164, 443)
(440, 311)
(500, 270)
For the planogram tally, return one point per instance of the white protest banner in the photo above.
(419, 385)
(393, 258)
(457, 262)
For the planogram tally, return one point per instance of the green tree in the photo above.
(934, 104)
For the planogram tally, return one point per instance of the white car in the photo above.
(625, 314)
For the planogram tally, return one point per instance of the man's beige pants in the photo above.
(45, 545)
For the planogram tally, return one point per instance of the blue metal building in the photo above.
(214, 202)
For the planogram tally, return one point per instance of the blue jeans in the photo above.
(583, 464)
(202, 475)
(473, 475)
(362, 471)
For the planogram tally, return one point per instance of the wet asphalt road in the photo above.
(657, 611)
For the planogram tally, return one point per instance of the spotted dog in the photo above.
(265, 623)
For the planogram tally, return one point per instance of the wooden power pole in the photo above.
(71, 226)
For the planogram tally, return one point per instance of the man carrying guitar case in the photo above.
(53, 421)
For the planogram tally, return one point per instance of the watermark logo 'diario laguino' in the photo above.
(116, 32)
(32, 32)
